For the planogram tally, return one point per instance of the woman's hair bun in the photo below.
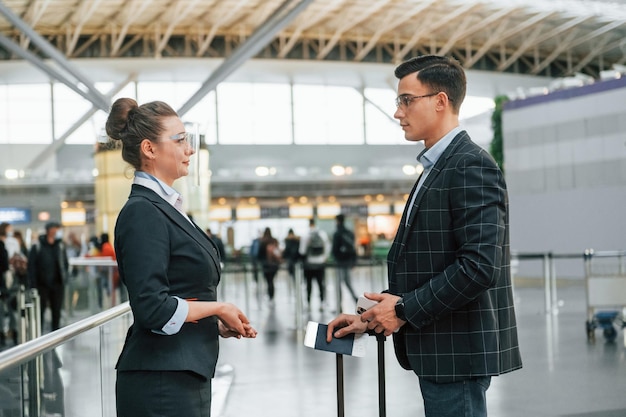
(117, 122)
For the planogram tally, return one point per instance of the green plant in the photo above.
(496, 146)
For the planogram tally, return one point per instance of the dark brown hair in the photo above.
(131, 124)
(439, 73)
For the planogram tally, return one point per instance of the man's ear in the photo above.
(442, 100)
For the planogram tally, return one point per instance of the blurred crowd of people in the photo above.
(45, 266)
(314, 250)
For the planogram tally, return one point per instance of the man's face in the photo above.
(416, 109)
(52, 232)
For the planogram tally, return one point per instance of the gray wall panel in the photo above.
(566, 173)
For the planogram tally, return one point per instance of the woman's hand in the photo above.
(233, 323)
(225, 332)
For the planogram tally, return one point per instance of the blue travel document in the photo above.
(352, 344)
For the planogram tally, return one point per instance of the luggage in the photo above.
(382, 405)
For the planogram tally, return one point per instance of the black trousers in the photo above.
(162, 394)
(269, 273)
(318, 273)
(51, 297)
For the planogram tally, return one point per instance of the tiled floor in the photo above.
(563, 375)
(275, 375)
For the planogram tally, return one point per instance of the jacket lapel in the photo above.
(432, 176)
(176, 217)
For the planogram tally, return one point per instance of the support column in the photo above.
(112, 187)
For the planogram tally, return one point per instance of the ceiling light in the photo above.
(408, 170)
(11, 174)
(262, 171)
(338, 170)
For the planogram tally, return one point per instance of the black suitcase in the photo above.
(382, 405)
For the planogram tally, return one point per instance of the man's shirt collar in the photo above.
(429, 157)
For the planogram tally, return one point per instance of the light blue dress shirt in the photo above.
(428, 158)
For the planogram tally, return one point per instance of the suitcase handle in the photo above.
(382, 401)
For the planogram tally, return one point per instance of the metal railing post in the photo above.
(338, 279)
(554, 302)
(546, 282)
(246, 287)
(299, 306)
(588, 255)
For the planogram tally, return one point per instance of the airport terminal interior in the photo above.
(293, 103)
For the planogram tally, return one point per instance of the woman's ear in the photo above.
(147, 149)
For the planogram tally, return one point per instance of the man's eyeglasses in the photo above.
(405, 99)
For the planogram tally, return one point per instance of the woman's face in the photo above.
(172, 152)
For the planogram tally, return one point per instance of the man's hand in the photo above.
(346, 324)
(382, 317)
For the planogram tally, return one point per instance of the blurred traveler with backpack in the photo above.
(314, 249)
(270, 258)
(344, 253)
(291, 253)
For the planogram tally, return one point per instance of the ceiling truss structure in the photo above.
(536, 37)
(555, 39)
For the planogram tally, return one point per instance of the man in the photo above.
(344, 253)
(47, 271)
(314, 250)
(219, 243)
(11, 244)
(254, 256)
(11, 280)
(4, 268)
(449, 299)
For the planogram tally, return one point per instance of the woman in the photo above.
(171, 270)
(291, 253)
(270, 258)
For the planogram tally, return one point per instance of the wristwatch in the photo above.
(400, 309)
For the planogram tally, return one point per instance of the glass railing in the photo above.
(68, 372)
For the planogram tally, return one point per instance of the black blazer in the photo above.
(161, 255)
(452, 263)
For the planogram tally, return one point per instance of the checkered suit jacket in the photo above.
(451, 262)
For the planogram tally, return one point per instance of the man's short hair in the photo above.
(53, 224)
(439, 73)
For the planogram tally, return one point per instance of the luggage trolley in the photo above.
(605, 277)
